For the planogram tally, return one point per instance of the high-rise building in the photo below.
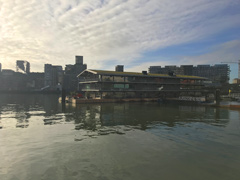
(155, 69)
(35, 81)
(79, 60)
(163, 70)
(119, 68)
(186, 70)
(0, 67)
(71, 72)
(53, 76)
(218, 73)
(23, 66)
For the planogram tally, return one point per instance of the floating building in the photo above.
(117, 84)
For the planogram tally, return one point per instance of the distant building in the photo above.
(13, 81)
(115, 84)
(0, 67)
(155, 70)
(218, 73)
(35, 81)
(79, 60)
(236, 81)
(186, 70)
(119, 68)
(21, 82)
(71, 71)
(53, 77)
(7, 72)
(23, 66)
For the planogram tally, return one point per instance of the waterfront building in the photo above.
(17, 81)
(53, 77)
(71, 71)
(218, 73)
(221, 73)
(12, 81)
(35, 81)
(115, 84)
(7, 72)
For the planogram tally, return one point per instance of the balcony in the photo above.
(88, 79)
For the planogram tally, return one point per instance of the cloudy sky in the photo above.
(136, 33)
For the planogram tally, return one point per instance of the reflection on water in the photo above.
(43, 139)
(92, 120)
(16, 110)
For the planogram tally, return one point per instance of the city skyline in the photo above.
(137, 34)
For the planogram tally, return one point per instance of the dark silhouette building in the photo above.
(22, 82)
(23, 66)
(119, 68)
(35, 81)
(70, 83)
(53, 77)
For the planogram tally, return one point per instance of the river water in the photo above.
(41, 139)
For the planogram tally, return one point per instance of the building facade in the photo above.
(22, 66)
(236, 81)
(35, 81)
(71, 71)
(113, 84)
(218, 73)
(12, 81)
(53, 77)
(119, 68)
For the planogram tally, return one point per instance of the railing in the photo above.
(143, 90)
(97, 89)
(139, 81)
(89, 79)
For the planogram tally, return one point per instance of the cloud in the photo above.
(104, 31)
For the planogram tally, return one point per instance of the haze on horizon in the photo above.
(136, 33)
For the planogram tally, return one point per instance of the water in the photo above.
(41, 139)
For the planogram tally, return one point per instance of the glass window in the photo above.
(118, 79)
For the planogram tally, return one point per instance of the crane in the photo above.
(235, 62)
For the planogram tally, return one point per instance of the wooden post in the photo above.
(217, 96)
(63, 96)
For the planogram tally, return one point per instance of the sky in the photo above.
(133, 33)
